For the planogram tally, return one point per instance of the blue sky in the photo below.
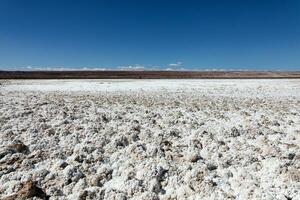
(211, 34)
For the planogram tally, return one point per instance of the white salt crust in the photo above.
(151, 139)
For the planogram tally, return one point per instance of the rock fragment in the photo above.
(235, 132)
(291, 156)
(28, 190)
(18, 147)
(72, 174)
(212, 167)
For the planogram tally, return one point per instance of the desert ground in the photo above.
(150, 139)
(165, 74)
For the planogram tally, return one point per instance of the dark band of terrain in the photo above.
(147, 74)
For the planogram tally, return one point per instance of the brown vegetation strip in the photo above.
(146, 74)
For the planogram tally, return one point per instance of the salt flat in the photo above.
(150, 139)
(215, 86)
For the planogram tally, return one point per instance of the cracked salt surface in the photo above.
(150, 139)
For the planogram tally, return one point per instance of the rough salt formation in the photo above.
(176, 143)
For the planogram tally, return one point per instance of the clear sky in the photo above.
(203, 34)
